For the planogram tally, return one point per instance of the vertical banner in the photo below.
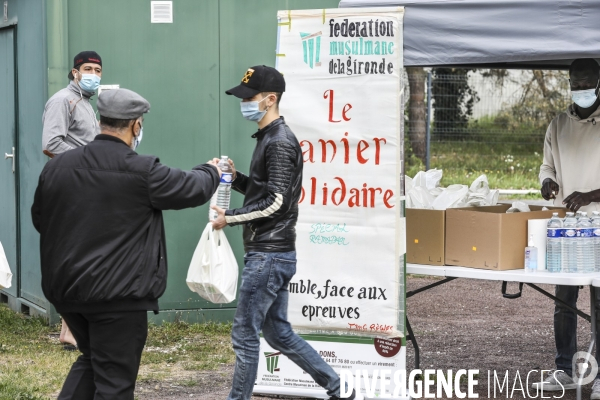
(343, 73)
(343, 70)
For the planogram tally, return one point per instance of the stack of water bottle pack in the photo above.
(573, 243)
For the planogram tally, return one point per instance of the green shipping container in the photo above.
(182, 67)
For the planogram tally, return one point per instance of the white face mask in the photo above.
(584, 98)
(137, 139)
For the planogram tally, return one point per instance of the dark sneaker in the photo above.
(596, 390)
(555, 381)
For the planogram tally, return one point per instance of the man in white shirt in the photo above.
(569, 175)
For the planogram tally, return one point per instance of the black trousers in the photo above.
(112, 345)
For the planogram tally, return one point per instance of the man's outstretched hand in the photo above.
(215, 163)
(219, 222)
(549, 189)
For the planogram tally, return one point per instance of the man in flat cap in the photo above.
(98, 209)
(271, 192)
(69, 121)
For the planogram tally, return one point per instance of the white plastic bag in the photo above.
(518, 206)
(428, 179)
(453, 196)
(408, 183)
(5, 274)
(420, 197)
(433, 178)
(492, 198)
(213, 272)
(480, 185)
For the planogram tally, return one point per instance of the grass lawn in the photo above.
(33, 364)
(505, 166)
(509, 156)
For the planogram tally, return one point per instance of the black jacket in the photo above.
(272, 190)
(98, 209)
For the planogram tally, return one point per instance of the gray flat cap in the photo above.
(122, 104)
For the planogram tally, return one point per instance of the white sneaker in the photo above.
(557, 380)
(596, 390)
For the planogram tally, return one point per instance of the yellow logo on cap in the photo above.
(247, 76)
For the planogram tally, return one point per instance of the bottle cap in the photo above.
(531, 244)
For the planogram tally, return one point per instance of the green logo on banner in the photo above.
(272, 361)
(311, 47)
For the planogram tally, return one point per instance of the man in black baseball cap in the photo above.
(269, 214)
(85, 57)
(257, 80)
(69, 121)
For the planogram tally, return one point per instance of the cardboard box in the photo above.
(488, 238)
(425, 236)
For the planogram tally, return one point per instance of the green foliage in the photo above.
(453, 99)
(510, 158)
(542, 98)
(32, 365)
(197, 347)
(506, 146)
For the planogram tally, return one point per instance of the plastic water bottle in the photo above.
(596, 228)
(554, 243)
(585, 244)
(223, 193)
(531, 256)
(569, 255)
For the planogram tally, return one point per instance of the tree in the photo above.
(542, 96)
(453, 100)
(417, 111)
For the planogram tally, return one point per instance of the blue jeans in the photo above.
(565, 327)
(262, 304)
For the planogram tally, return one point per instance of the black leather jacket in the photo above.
(98, 209)
(272, 190)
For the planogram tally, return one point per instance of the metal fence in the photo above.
(472, 122)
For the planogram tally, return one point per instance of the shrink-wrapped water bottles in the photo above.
(585, 244)
(554, 241)
(596, 228)
(569, 248)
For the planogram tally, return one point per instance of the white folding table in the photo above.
(450, 273)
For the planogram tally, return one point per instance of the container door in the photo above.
(8, 208)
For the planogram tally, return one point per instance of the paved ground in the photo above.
(462, 324)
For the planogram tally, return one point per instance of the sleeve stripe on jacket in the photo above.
(272, 209)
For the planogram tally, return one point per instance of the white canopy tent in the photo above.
(529, 34)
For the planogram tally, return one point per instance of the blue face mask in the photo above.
(250, 110)
(89, 82)
(584, 98)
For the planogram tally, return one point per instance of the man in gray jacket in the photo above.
(69, 121)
